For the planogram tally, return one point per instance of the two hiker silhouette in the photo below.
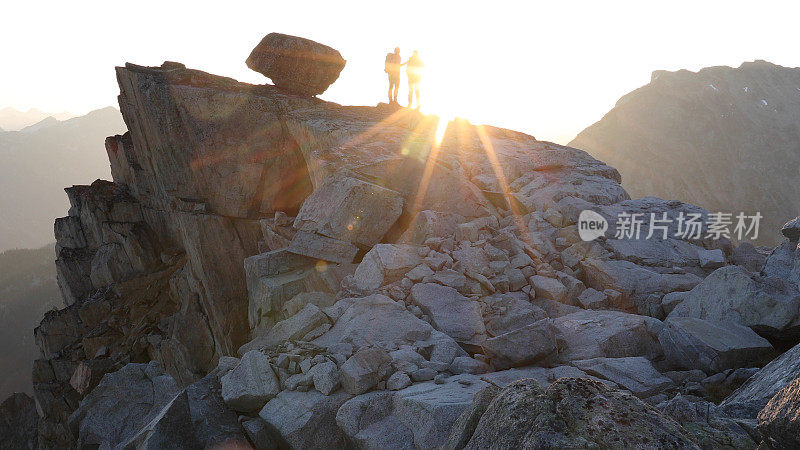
(413, 72)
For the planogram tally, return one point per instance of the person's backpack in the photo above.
(392, 64)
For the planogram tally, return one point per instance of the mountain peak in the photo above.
(12, 119)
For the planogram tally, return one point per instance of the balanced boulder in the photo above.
(296, 64)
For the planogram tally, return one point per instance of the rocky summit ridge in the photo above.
(272, 270)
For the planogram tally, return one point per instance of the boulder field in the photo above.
(271, 270)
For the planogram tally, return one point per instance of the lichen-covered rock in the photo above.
(572, 412)
(706, 423)
(296, 64)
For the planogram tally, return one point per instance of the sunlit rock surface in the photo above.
(374, 268)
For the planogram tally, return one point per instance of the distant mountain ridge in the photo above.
(727, 139)
(12, 119)
(38, 161)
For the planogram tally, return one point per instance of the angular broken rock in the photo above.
(306, 419)
(507, 312)
(251, 384)
(755, 393)
(593, 299)
(711, 259)
(362, 371)
(350, 209)
(375, 321)
(296, 64)
(123, 402)
(779, 421)
(733, 294)
(691, 343)
(521, 346)
(398, 380)
(299, 301)
(195, 418)
(418, 416)
(451, 313)
(633, 373)
(272, 279)
(321, 247)
(549, 288)
(431, 224)
(259, 434)
(384, 264)
(465, 424)
(326, 377)
(591, 334)
(292, 329)
(89, 373)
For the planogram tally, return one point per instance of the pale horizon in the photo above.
(547, 70)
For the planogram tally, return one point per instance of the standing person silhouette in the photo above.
(392, 67)
(414, 71)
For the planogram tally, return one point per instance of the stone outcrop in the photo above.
(296, 64)
(271, 269)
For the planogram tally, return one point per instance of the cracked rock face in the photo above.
(372, 279)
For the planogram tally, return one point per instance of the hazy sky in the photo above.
(547, 68)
